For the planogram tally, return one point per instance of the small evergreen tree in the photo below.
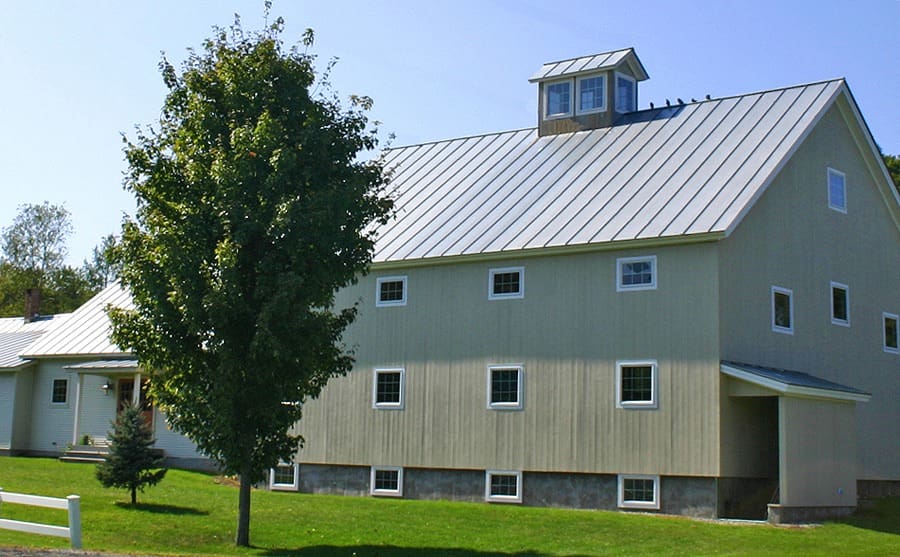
(131, 463)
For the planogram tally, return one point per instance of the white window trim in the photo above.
(388, 405)
(884, 317)
(846, 289)
(546, 95)
(634, 287)
(651, 505)
(790, 295)
(638, 404)
(615, 85)
(603, 96)
(832, 205)
(64, 404)
(285, 487)
(389, 303)
(507, 296)
(520, 384)
(517, 498)
(386, 492)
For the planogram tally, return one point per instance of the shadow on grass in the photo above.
(393, 551)
(161, 509)
(880, 515)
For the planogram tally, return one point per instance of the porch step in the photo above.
(85, 453)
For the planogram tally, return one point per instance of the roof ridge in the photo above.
(462, 137)
(572, 59)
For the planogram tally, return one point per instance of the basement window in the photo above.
(558, 99)
(891, 333)
(840, 304)
(285, 477)
(837, 190)
(60, 392)
(503, 486)
(505, 387)
(386, 481)
(782, 310)
(390, 291)
(387, 389)
(506, 283)
(638, 492)
(637, 384)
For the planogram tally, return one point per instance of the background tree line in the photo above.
(33, 256)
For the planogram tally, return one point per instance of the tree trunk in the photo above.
(133, 496)
(243, 527)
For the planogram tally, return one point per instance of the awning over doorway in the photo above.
(792, 383)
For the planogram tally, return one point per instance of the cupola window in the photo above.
(591, 94)
(559, 99)
(626, 94)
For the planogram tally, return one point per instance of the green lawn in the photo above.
(190, 513)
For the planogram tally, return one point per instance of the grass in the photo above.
(191, 513)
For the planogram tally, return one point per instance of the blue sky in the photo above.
(79, 74)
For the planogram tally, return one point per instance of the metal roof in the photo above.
(670, 172)
(16, 335)
(86, 331)
(107, 364)
(592, 63)
(792, 382)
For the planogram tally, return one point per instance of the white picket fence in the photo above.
(72, 503)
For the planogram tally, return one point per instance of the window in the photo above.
(591, 94)
(840, 304)
(285, 477)
(638, 492)
(636, 273)
(386, 480)
(891, 333)
(60, 391)
(505, 387)
(388, 389)
(506, 283)
(626, 93)
(558, 99)
(637, 384)
(837, 191)
(782, 310)
(503, 486)
(390, 291)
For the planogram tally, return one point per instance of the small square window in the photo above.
(638, 492)
(285, 477)
(503, 486)
(390, 291)
(782, 310)
(60, 394)
(505, 387)
(891, 333)
(837, 191)
(558, 99)
(637, 384)
(388, 389)
(840, 304)
(506, 283)
(591, 94)
(386, 480)
(626, 94)
(636, 273)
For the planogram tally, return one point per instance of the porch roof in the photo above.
(792, 383)
(121, 365)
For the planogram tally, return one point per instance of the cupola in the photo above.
(588, 92)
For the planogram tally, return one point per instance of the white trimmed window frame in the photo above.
(790, 294)
(634, 504)
(506, 295)
(61, 404)
(491, 498)
(617, 76)
(834, 319)
(294, 486)
(885, 317)
(388, 405)
(603, 89)
(832, 202)
(622, 261)
(520, 387)
(651, 404)
(546, 94)
(386, 492)
(389, 303)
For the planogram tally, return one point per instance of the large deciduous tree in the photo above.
(35, 243)
(253, 208)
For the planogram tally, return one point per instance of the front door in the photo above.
(126, 396)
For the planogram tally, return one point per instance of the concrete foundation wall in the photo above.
(871, 489)
(745, 498)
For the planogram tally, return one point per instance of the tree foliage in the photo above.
(36, 240)
(253, 208)
(132, 462)
(893, 165)
(100, 270)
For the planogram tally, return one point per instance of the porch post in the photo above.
(136, 393)
(76, 420)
